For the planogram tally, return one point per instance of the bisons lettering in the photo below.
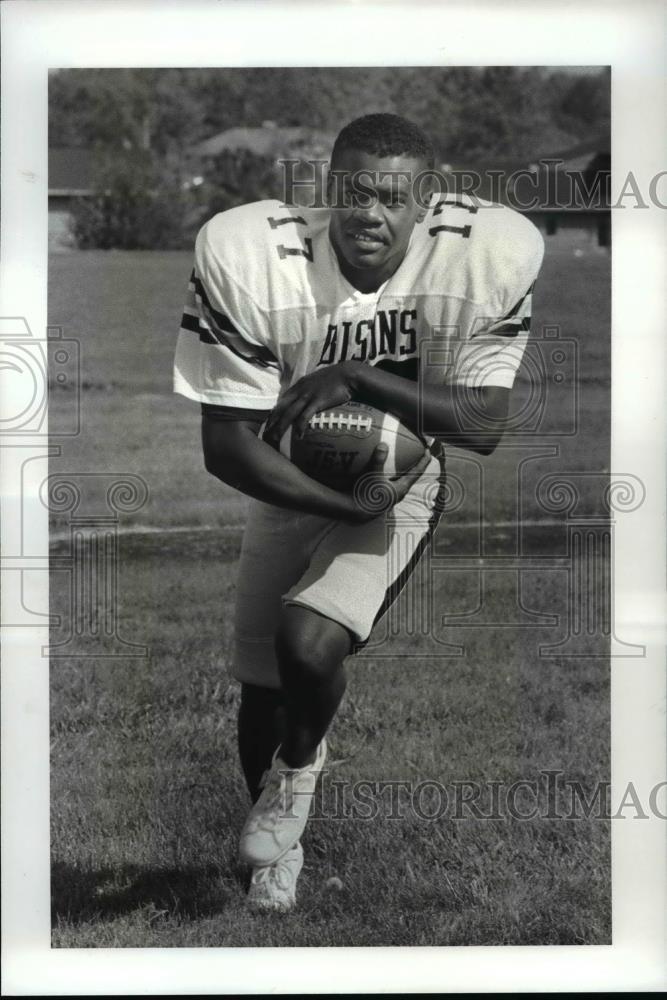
(388, 334)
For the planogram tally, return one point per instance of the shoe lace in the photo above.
(278, 875)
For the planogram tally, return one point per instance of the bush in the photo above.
(235, 177)
(141, 205)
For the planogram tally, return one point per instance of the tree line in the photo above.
(144, 125)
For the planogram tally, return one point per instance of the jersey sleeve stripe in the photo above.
(219, 329)
(221, 320)
(190, 322)
(511, 328)
(219, 339)
(524, 299)
(193, 324)
(517, 320)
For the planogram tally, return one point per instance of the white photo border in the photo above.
(631, 38)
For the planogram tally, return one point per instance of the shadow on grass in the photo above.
(79, 895)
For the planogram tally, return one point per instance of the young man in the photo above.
(290, 311)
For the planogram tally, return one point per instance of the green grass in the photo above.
(147, 796)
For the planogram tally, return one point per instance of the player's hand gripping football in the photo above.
(317, 391)
(375, 492)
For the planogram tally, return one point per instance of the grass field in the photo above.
(147, 795)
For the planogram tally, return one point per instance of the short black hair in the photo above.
(385, 135)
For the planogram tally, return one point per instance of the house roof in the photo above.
(537, 190)
(572, 179)
(71, 171)
(571, 156)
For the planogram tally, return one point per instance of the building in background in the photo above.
(566, 189)
(71, 175)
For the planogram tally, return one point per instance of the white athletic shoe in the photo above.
(278, 818)
(273, 887)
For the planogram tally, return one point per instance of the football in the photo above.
(339, 443)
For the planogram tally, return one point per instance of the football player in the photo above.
(396, 295)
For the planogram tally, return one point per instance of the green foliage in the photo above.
(236, 177)
(583, 103)
(142, 119)
(121, 109)
(470, 111)
(141, 205)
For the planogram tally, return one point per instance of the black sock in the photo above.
(259, 732)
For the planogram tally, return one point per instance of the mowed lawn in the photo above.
(147, 794)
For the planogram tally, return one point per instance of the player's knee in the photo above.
(303, 659)
(308, 649)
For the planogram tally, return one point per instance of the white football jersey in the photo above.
(267, 302)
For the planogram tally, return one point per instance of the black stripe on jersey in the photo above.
(511, 324)
(207, 336)
(514, 310)
(399, 583)
(221, 320)
(511, 329)
(256, 355)
(512, 314)
(189, 322)
(407, 368)
(192, 323)
(521, 301)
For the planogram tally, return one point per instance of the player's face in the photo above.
(375, 203)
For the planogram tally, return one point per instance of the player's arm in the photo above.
(472, 418)
(235, 454)
(469, 411)
(468, 418)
